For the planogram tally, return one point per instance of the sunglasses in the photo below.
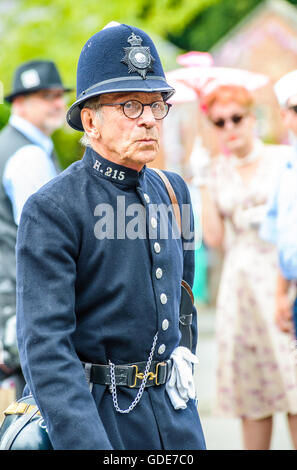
(293, 108)
(236, 119)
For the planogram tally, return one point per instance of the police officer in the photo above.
(98, 282)
(26, 163)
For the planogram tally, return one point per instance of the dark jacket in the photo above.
(86, 296)
(11, 140)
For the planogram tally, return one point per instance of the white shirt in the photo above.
(28, 168)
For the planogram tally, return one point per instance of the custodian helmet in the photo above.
(118, 58)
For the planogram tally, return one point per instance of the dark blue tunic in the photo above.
(88, 291)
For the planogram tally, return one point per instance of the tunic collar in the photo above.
(111, 171)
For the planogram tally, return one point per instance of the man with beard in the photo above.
(27, 162)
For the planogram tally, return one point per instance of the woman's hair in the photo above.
(225, 94)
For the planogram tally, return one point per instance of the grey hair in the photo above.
(94, 104)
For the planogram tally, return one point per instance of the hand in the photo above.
(283, 314)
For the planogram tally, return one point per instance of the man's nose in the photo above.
(147, 118)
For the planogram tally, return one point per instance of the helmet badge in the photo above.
(138, 58)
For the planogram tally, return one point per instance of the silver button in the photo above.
(163, 298)
(154, 222)
(159, 273)
(162, 349)
(157, 247)
(165, 324)
(146, 197)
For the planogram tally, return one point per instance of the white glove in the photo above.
(180, 387)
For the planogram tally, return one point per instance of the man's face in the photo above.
(290, 116)
(234, 125)
(128, 142)
(45, 109)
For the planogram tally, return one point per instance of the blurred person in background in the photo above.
(255, 374)
(280, 223)
(27, 162)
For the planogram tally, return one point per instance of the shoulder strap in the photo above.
(172, 196)
(187, 298)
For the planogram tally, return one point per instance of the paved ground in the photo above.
(221, 433)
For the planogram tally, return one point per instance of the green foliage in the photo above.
(4, 114)
(67, 146)
(211, 24)
(58, 29)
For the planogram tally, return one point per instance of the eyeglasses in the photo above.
(293, 108)
(133, 109)
(236, 119)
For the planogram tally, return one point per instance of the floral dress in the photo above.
(256, 362)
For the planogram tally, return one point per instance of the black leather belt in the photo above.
(129, 375)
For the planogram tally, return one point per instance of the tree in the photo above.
(58, 29)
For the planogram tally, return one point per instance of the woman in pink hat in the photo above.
(256, 370)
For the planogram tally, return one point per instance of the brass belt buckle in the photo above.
(150, 375)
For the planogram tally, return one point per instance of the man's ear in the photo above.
(90, 122)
